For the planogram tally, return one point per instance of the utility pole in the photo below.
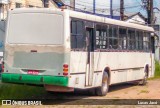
(122, 9)
(150, 12)
(46, 3)
(149, 8)
(111, 8)
(150, 21)
(94, 6)
(72, 4)
(148, 5)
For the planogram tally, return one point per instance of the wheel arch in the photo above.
(108, 71)
(146, 69)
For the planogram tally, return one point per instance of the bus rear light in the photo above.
(65, 69)
(65, 66)
(2, 67)
(65, 74)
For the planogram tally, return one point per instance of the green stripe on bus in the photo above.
(35, 79)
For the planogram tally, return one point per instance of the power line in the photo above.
(88, 6)
(89, 3)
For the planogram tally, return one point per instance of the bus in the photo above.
(64, 50)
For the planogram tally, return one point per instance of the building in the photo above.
(5, 5)
(157, 28)
(28, 3)
(136, 18)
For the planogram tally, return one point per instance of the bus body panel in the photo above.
(125, 69)
(30, 54)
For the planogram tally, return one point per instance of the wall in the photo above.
(157, 48)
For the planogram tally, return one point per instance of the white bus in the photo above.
(63, 50)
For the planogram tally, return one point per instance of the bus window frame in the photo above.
(117, 32)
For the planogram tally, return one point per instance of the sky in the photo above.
(103, 6)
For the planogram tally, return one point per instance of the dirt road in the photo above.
(130, 91)
(120, 91)
(80, 99)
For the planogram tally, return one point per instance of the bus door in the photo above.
(90, 56)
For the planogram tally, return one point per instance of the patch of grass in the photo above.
(157, 69)
(144, 91)
(153, 78)
(14, 91)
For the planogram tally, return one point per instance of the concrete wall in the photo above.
(157, 44)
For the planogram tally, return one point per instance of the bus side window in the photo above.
(140, 40)
(149, 41)
(101, 36)
(113, 37)
(123, 38)
(131, 39)
(98, 36)
(136, 40)
(146, 42)
(77, 35)
(152, 44)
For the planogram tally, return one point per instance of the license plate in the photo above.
(33, 72)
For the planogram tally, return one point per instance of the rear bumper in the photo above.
(34, 79)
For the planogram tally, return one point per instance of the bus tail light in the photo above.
(2, 67)
(65, 69)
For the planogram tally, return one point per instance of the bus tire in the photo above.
(102, 91)
(92, 92)
(144, 80)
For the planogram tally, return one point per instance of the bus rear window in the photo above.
(35, 28)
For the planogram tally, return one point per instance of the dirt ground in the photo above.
(81, 99)
(130, 91)
(120, 91)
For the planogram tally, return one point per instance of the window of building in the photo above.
(18, 5)
(77, 35)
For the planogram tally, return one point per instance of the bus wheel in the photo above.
(91, 92)
(144, 80)
(102, 91)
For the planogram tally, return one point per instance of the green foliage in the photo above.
(157, 69)
(13, 91)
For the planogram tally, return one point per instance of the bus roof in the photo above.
(110, 21)
(84, 16)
